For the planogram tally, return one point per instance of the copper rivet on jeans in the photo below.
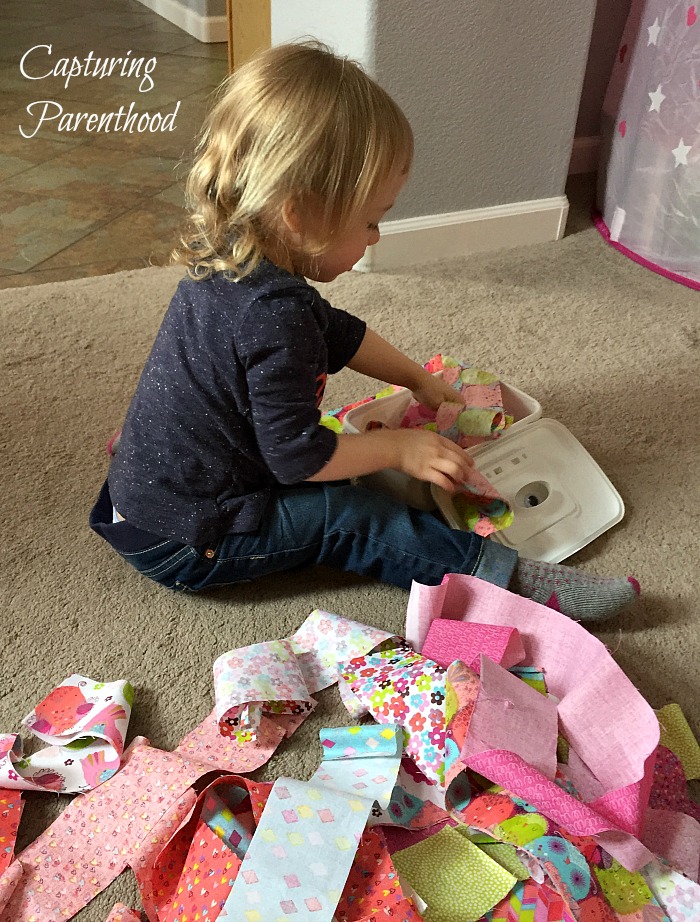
(209, 553)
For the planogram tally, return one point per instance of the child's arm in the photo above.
(377, 358)
(417, 452)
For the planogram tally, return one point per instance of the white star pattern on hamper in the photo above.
(653, 31)
(657, 97)
(681, 153)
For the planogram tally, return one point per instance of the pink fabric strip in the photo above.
(635, 257)
(521, 779)
(206, 744)
(603, 716)
(509, 715)
(9, 882)
(11, 806)
(122, 913)
(100, 833)
(675, 837)
(450, 640)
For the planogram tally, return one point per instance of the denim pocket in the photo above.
(169, 563)
(164, 567)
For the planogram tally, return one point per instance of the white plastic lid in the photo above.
(561, 498)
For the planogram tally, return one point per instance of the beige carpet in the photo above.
(609, 349)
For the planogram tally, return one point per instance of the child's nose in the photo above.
(373, 236)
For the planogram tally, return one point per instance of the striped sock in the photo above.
(572, 592)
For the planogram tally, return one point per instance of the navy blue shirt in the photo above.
(227, 405)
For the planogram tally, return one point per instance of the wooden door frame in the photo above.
(249, 29)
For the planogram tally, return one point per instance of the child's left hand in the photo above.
(433, 391)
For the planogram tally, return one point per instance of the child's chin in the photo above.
(327, 275)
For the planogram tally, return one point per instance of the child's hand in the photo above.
(431, 457)
(433, 391)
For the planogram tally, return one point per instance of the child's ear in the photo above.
(291, 217)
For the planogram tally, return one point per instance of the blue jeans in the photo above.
(335, 524)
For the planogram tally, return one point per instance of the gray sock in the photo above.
(572, 592)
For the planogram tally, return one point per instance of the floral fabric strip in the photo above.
(679, 896)
(261, 678)
(85, 723)
(325, 640)
(403, 687)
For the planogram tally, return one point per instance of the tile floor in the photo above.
(75, 203)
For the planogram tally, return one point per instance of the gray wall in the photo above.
(609, 23)
(492, 89)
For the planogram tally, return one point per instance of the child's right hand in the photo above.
(430, 457)
(417, 452)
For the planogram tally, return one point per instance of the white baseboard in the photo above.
(203, 28)
(584, 155)
(414, 241)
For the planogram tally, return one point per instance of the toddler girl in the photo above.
(223, 472)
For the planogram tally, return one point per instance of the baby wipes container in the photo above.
(560, 497)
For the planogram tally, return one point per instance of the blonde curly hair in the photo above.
(297, 123)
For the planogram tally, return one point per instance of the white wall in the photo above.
(348, 28)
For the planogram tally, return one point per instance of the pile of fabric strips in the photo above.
(504, 769)
(477, 416)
